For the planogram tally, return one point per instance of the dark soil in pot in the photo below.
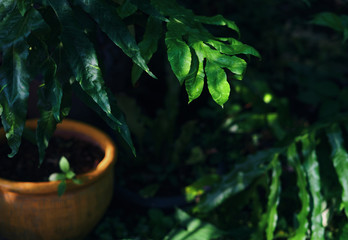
(83, 156)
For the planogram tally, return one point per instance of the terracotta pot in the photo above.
(33, 211)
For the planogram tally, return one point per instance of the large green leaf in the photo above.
(81, 56)
(109, 22)
(329, 19)
(218, 20)
(339, 158)
(14, 80)
(218, 86)
(179, 54)
(148, 46)
(234, 47)
(194, 81)
(302, 216)
(193, 229)
(311, 166)
(14, 27)
(241, 176)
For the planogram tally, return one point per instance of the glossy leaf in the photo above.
(14, 80)
(241, 176)
(82, 57)
(194, 81)
(339, 159)
(15, 27)
(311, 166)
(293, 158)
(148, 46)
(193, 229)
(218, 86)
(233, 47)
(179, 53)
(110, 23)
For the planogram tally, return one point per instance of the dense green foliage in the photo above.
(272, 164)
(55, 40)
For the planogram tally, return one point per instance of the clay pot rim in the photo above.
(72, 128)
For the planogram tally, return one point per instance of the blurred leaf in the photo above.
(56, 177)
(241, 176)
(339, 158)
(328, 19)
(108, 20)
(61, 188)
(64, 164)
(193, 229)
(200, 186)
(302, 216)
(126, 9)
(149, 191)
(148, 46)
(14, 92)
(311, 166)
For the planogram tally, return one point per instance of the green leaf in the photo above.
(23, 6)
(218, 86)
(241, 176)
(269, 218)
(193, 229)
(126, 9)
(6, 7)
(70, 175)
(109, 22)
(64, 164)
(15, 27)
(219, 21)
(148, 46)
(61, 188)
(194, 81)
(302, 216)
(339, 158)
(179, 53)
(56, 177)
(198, 187)
(14, 80)
(312, 169)
(233, 47)
(328, 19)
(81, 56)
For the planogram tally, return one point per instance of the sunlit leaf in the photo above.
(193, 229)
(302, 216)
(218, 86)
(218, 20)
(14, 80)
(194, 81)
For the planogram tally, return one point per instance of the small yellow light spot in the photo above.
(30, 48)
(267, 98)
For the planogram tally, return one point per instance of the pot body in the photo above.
(34, 211)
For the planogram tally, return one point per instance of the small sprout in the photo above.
(66, 174)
